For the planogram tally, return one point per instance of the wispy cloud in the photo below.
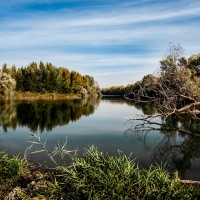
(103, 38)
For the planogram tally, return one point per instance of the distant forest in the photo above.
(116, 90)
(46, 78)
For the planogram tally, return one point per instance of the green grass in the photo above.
(100, 176)
(93, 176)
(11, 171)
(11, 168)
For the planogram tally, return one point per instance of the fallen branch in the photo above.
(190, 182)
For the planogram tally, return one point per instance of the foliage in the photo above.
(7, 86)
(100, 176)
(46, 78)
(194, 65)
(115, 90)
(176, 88)
(10, 167)
(11, 171)
(22, 180)
(97, 176)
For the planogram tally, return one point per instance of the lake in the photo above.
(98, 122)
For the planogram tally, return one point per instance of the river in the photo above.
(99, 122)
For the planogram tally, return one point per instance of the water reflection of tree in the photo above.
(152, 120)
(180, 141)
(44, 114)
(147, 108)
(7, 115)
(177, 154)
(121, 100)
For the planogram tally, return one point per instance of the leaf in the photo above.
(33, 135)
(33, 142)
(34, 152)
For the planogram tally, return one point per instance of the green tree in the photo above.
(19, 80)
(63, 80)
(5, 69)
(44, 78)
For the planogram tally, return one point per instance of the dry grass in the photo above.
(33, 96)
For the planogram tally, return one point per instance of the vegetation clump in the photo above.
(93, 176)
(11, 170)
(10, 167)
(99, 176)
(115, 90)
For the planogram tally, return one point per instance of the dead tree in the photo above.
(173, 90)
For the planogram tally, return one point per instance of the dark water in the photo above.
(101, 123)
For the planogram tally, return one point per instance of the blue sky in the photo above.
(117, 42)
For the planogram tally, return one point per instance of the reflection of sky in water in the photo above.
(104, 129)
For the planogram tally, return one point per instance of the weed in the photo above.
(11, 167)
(95, 175)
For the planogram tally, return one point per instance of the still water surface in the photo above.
(101, 123)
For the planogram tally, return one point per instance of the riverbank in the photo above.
(94, 176)
(33, 96)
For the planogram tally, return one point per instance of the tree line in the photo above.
(116, 90)
(46, 78)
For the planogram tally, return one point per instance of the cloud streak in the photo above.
(101, 38)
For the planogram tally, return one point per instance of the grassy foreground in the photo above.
(94, 176)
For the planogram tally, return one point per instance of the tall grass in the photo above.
(95, 175)
(99, 176)
(11, 171)
(11, 168)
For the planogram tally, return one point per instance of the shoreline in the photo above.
(43, 96)
(21, 179)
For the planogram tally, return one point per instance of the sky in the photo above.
(115, 41)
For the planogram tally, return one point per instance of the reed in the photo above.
(95, 175)
(99, 176)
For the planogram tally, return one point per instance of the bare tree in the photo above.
(173, 90)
